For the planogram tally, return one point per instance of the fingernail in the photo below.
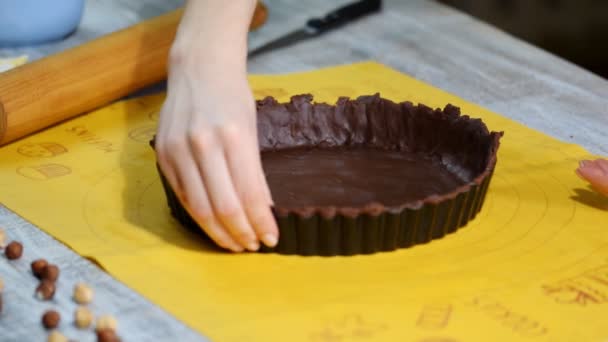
(583, 163)
(253, 246)
(270, 240)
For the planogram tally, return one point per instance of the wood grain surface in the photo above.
(63, 85)
(55, 88)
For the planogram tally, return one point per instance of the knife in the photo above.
(318, 26)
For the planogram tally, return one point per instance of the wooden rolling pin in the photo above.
(58, 87)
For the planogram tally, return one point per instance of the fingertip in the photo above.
(226, 242)
(589, 173)
(227, 245)
(217, 233)
(223, 240)
(237, 226)
(578, 173)
(265, 225)
(253, 246)
(270, 240)
(597, 179)
(266, 187)
(236, 249)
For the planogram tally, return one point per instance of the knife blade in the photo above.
(318, 26)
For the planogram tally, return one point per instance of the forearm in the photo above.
(212, 36)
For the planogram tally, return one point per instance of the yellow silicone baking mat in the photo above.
(532, 266)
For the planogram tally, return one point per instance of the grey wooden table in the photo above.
(427, 40)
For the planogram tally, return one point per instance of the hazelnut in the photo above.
(14, 250)
(38, 266)
(56, 336)
(106, 322)
(107, 335)
(50, 272)
(83, 294)
(46, 290)
(83, 317)
(2, 238)
(51, 319)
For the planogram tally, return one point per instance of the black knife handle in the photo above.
(343, 15)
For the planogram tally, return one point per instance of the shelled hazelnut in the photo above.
(13, 250)
(83, 317)
(38, 266)
(56, 336)
(2, 238)
(51, 319)
(83, 294)
(106, 322)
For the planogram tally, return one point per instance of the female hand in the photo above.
(206, 142)
(596, 173)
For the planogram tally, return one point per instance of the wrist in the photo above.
(212, 36)
(210, 60)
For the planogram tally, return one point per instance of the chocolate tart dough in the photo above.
(367, 175)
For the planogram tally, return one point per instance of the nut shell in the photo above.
(50, 272)
(51, 319)
(38, 266)
(45, 290)
(14, 250)
(107, 335)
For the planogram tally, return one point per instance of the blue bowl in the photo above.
(28, 22)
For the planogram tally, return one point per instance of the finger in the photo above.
(173, 153)
(267, 193)
(210, 159)
(196, 200)
(597, 178)
(263, 222)
(166, 167)
(602, 164)
(262, 176)
(166, 143)
(251, 186)
(220, 235)
(257, 154)
(163, 146)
